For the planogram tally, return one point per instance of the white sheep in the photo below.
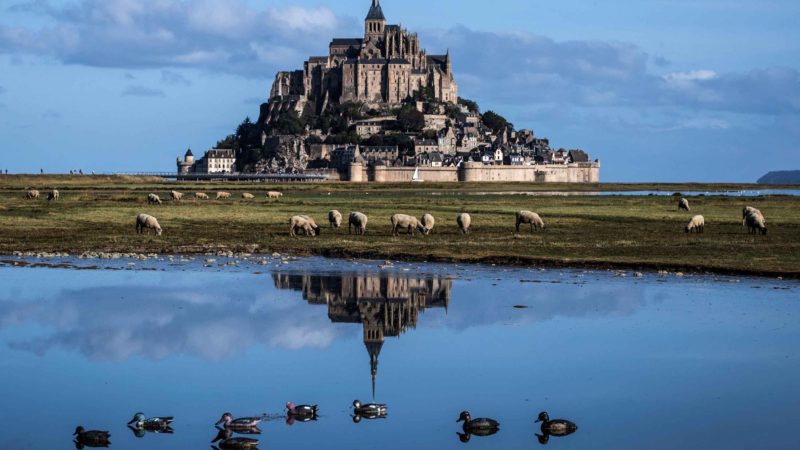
(427, 221)
(531, 218)
(755, 223)
(176, 196)
(747, 210)
(153, 199)
(303, 223)
(147, 222)
(200, 196)
(223, 195)
(359, 221)
(32, 194)
(53, 195)
(408, 223)
(274, 194)
(335, 218)
(684, 204)
(696, 225)
(248, 196)
(464, 220)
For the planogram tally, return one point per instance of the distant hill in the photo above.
(781, 177)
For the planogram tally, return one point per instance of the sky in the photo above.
(658, 90)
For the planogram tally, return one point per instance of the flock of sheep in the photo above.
(175, 196)
(752, 218)
(52, 196)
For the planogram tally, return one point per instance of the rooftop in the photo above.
(375, 11)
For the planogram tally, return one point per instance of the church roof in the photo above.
(437, 59)
(375, 11)
(341, 42)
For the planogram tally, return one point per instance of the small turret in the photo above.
(189, 158)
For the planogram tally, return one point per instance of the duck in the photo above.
(369, 411)
(301, 410)
(555, 427)
(226, 440)
(141, 422)
(478, 427)
(242, 422)
(91, 438)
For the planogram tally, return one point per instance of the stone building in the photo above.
(385, 66)
(215, 160)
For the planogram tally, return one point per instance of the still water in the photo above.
(652, 362)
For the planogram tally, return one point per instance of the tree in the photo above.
(471, 105)
(496, 122)
(403, 143)
(289, 123)
(313, 139)
(410, 120)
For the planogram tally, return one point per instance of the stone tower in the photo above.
(375, 23)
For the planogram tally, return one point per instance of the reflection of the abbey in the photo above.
(386, 305)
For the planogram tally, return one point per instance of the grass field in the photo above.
(97, 214)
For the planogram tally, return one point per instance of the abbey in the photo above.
(384, 67)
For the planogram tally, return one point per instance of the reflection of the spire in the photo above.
(386, 305)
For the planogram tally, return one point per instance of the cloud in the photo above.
(219, 35)
(142, 91)
(174, 78)
(520, 68)
(502, 68)
(206, 321)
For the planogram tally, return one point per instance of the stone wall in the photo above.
(480, 173)
(552, 173)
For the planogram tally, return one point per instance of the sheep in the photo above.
(529, 217)
(304, 223)
(683, 204)
(248, 196)
(153, 199)
(756, 223)
(53, 195)
(464, 220)
(696, 225)
(200, 196)
(145, 221)
(335, 218)
(406, 222)
(223, 195)
(428, 222)
(32, 194)
(176, 196)
(747, 210)
(359, 221)
(274, 194)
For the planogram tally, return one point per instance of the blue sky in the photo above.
(670, 90)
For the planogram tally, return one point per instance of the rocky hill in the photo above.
(781, 177)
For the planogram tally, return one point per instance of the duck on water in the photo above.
(479, 427)
(154, 424)
(555, 427)
(369, 411)
(302, 413)
(242, 422)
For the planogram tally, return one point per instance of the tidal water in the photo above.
(657, 362)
